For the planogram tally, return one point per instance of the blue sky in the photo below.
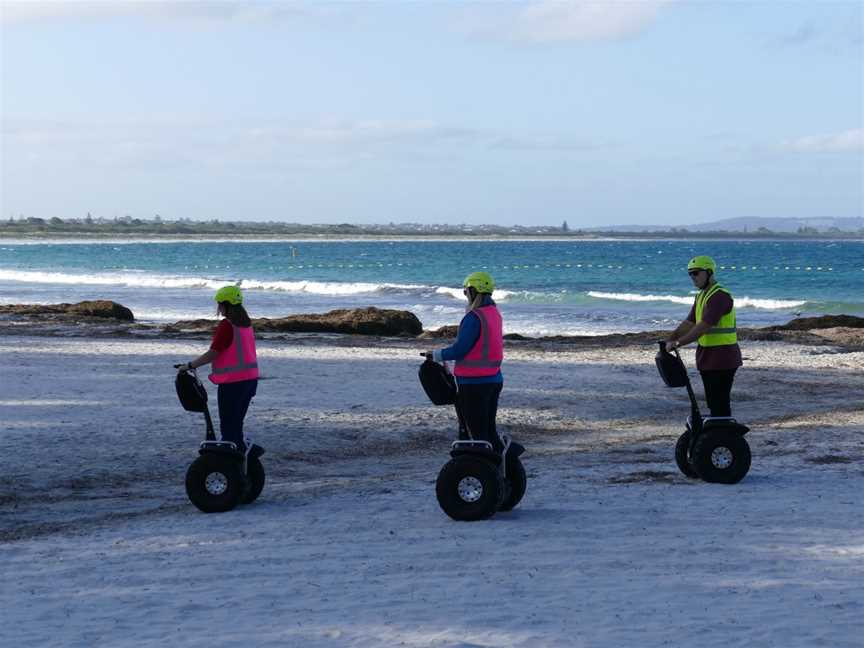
(651, 112)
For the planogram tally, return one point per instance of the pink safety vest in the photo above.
(239, 361)
(484, 358)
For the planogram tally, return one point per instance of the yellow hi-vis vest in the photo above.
(725, 331)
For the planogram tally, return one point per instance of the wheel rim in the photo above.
(721, 457)
(470, 489)
(216, 483)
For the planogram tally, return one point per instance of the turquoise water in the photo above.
(545, 287)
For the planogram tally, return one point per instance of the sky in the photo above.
(643, 112)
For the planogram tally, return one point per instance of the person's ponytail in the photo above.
(236, 314)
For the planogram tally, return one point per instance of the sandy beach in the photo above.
(611, 546)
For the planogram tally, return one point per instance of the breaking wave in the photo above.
(740, 302)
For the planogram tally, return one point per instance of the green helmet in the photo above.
(702, 262)
(230, 294)
(482, 282)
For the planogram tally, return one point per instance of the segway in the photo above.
(222, 476)
(711, 448)
(477, 482)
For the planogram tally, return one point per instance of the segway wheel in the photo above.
(721, 457)
(682, 458)
(517, 482)
(255, 478)
(468, 488)
(215, 483)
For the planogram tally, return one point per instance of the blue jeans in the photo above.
(234, 399)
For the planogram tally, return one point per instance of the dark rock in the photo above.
(192, 326)
(443, 332)
(102, 309)
(822, 322)
(516, 336)
(356, 321)
(353, 321)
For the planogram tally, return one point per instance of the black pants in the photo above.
(476, 407)
(234, 399)
(718, 390)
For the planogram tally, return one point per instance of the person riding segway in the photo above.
(712, 323)
(229, 471)
(485, 473)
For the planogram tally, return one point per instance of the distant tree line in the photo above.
(157, 227)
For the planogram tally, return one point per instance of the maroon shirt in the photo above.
(717, 358)
(223, 336)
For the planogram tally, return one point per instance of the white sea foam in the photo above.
(329, 287)
(633, 297)
(109, 279)
(740, 302)
(143, 280)
(456, 293)
(771, 304)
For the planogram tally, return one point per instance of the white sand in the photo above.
(611, 546)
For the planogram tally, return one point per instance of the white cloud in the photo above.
(850, 140)
(551, 21)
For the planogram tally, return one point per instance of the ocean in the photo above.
(545, 287)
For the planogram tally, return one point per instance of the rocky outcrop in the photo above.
(101, 309)
(443, 332)
(109, 318)
(822, 322)
(356, 321)
(352, 321)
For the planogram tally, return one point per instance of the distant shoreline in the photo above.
(90, 238)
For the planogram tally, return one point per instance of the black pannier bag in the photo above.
(438, 383)
(671, 369)
(190, 391)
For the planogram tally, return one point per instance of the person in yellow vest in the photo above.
(235, 364)
(712, 324)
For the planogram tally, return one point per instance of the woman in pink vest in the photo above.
(235, 364)
(478, 352)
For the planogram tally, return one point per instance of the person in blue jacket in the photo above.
(478, 352)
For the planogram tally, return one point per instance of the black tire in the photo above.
(721, 457)
(682, 450)
(517, 482)
(255, 479)
(479, 484)
(215, 483)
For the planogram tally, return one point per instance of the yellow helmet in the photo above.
(482, 282)
(230, 294)
(702, 262)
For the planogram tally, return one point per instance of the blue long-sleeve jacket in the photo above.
(469, 333)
